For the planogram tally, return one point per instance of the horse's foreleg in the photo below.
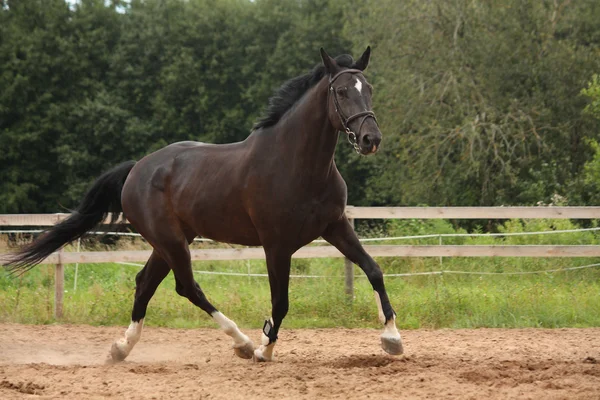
(342, 236)
(278, 266)
(147, 280)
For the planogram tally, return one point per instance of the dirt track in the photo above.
(59, 361)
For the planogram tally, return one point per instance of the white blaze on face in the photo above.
(358, 86)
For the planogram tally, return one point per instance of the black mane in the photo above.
(291, 91)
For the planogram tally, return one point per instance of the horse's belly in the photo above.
(223, 225)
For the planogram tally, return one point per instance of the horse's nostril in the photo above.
(367, 140)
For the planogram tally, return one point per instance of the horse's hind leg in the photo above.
(178, 257)
(147, 280)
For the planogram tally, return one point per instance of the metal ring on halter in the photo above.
(352, 140)
(352, 137)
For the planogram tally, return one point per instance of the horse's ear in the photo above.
(363, 61)
(331, 66)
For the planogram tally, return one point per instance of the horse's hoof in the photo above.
(245, 351)
(392, 345)
(259, 356)
(117, 354)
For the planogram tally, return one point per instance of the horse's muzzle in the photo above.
(369, 143)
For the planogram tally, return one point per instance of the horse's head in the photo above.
(349, 103)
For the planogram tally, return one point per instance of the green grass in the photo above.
(105, 295)
(564, 299)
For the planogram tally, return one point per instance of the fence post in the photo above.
(59, 287)
(349, 271)
(76, 266)
(440, 243)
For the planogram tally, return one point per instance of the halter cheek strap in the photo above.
(346, 121)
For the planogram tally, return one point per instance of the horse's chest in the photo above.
(296, 211)
(308, 221)
(322, 214)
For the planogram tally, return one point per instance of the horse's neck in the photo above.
(310, 139)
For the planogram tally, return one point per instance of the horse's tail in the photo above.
(104, 197)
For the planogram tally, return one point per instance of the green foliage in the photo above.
(592, 91)
(88, 86)
(104, 294)
(480, 102)
(592, 172)
(592, 167)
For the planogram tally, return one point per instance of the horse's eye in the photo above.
(342, 90)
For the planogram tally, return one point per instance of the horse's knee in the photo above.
(188, 291)
(139, 277)
(179, 288)
(195, 295)
(280, 309)
(375, 276)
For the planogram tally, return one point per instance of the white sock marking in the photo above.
(265, 350)
(264, 340)
(389, 330)
(358, 86)
(379, 307)
(230, 328)
(132, 336)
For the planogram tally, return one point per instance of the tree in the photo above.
(478, 100)
(87, 86)
(592, 167)
(39, 74)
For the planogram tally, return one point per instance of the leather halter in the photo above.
(346, 120)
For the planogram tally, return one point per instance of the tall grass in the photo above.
(104, 295)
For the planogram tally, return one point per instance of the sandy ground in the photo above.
(68, 361)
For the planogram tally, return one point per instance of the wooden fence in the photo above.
(61, 258)
(385, 213)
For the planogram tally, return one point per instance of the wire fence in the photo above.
(407, 274)
(390, 251)
(377, 239)
(364, 240)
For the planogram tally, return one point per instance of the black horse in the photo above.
(279, 189)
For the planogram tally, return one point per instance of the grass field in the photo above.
(104, 294)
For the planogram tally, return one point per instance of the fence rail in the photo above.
(93, 257)
(60, 258)
(385, 213)
(473, 212)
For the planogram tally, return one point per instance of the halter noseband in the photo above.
(345, 121)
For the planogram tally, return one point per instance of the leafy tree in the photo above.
(90, 85)
(592, 167)
(478, 100)
(38, 75)
(592, 91)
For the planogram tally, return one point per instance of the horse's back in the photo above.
(197, 184)
(186, 156)
(155, 168)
